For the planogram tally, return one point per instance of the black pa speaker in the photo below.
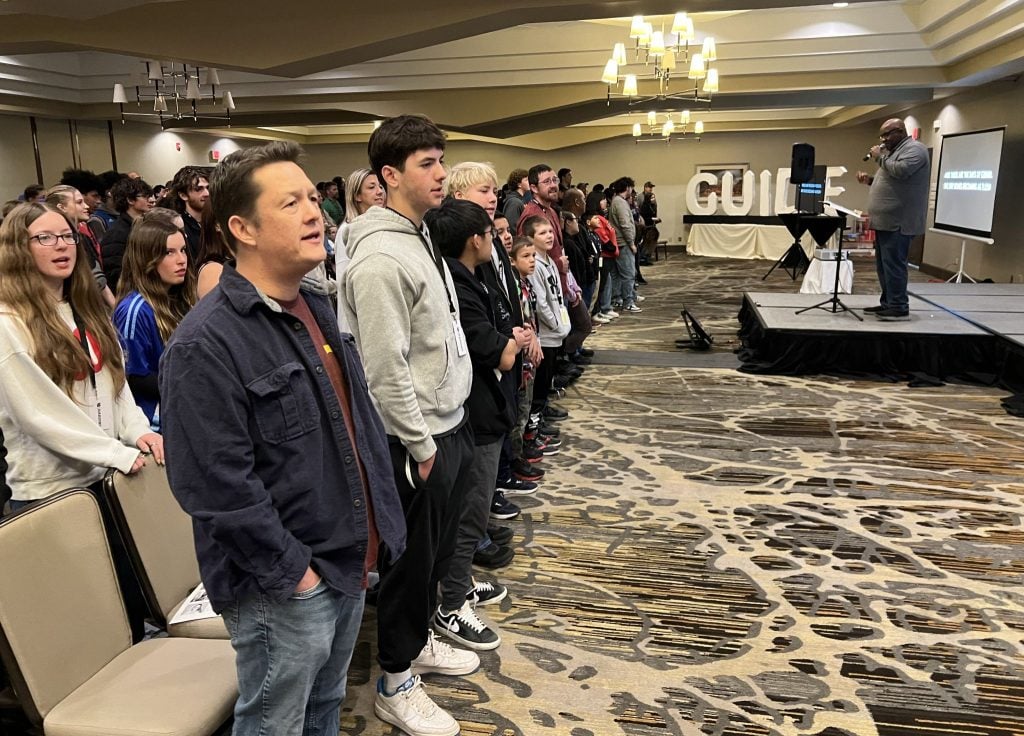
(802, 166)
(699, 339)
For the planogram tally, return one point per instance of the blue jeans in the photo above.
(892, 249)
(292, 660)
(604, 294)
(624, 277)
(588, 294)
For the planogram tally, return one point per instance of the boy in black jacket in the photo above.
(461, 230)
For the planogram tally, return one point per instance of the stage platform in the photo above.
(956, 332)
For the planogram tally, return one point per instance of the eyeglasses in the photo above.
(886, 134)
(48, 240)
(548, 181)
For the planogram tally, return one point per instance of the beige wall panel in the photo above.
(94, 145)
(54, 148)
(989, 107)
(17, 164)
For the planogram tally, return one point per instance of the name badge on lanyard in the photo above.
(565, 315)
(460, 337)
(103, 417)
(100, 414)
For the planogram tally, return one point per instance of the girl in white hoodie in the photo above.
(65, 408)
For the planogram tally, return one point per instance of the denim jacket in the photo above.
(257, 449)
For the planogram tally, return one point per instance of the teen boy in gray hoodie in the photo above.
(400, 302)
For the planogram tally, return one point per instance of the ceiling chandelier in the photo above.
(667, 130)
(670, 56)
(176, 93)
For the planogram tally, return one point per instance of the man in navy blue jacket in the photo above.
(275, 450)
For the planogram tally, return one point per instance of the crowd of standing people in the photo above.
(346, 381)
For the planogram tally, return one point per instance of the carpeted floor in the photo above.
(720, 553)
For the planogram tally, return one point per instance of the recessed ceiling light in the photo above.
(839, 5)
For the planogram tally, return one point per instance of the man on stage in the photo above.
(897, 203)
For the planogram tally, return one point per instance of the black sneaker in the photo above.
(586, 352)
(502, 508)
(544, 449)
(559, 384)
(466, 628)
(879, 308)
(544, 440)
(500, 534)
(554, 414)
(485, 593)
(893, 315)
(516, 487)
(532, 454)
(549, 430)
(525, 471)
(494, 555)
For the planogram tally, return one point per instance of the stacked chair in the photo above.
(158, 536)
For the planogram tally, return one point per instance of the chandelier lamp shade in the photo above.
(662, 127)
(668, 55)
(176, 91)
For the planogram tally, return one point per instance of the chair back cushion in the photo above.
(61, 612)
(158, 534)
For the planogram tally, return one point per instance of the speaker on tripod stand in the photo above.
(795, 260)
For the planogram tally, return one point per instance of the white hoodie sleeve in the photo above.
(547, 310)
(40, 409)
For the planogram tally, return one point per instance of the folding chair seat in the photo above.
(66, 643)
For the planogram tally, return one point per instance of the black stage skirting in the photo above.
(732, 220)
(922, 359)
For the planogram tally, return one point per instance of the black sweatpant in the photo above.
(408, 585)
(545, 375)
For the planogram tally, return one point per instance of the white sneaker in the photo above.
(601, 319)
(442, 658)
(412, 710)
(640, 298)
(610, 314)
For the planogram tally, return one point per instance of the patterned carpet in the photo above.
(720, 553)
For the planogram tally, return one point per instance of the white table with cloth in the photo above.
(821, 277)
(742, 239)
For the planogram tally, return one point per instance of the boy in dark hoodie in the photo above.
(462, 231)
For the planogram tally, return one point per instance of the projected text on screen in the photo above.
(965, 194)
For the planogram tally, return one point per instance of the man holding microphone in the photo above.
(898, 204)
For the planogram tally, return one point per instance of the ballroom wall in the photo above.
(158, 154)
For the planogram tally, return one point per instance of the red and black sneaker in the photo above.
(525, 471)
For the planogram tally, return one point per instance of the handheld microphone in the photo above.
(868, 154)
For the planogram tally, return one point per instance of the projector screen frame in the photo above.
(980, 236)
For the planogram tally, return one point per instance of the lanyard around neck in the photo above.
(438, 263)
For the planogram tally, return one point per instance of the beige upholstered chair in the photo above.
(158, 535)
(65, 640)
